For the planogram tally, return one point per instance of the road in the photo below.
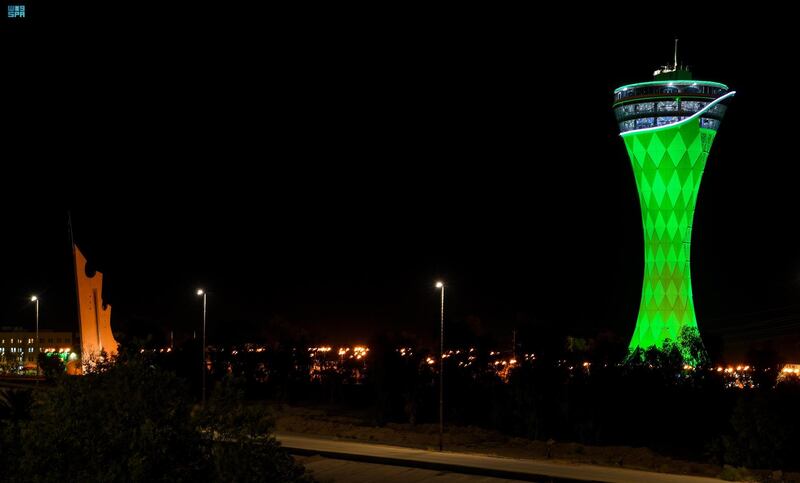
(475, 464)
(327, 470)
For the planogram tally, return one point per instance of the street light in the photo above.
(440, 285)
(202, 292)
(35, 300)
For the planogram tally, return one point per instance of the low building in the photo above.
(18, 347)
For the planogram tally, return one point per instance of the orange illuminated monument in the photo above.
(95, 316)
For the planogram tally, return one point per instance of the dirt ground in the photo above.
(334, 424)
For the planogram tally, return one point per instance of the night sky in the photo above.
(319, 173)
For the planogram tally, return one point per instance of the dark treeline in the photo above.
(654, 403)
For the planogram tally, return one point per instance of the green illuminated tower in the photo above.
(668, 126)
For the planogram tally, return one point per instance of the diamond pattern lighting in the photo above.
(668, 164)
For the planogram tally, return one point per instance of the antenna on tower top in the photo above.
(675, 61)
(675, 71)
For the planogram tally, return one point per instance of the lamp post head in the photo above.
(34, 298)
(439, 284)
(200, 291)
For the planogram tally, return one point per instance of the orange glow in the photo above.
(95, 316)
(319, 349)
(791, 369)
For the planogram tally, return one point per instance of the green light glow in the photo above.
(676, 82)
(668, 164)
(60, 355)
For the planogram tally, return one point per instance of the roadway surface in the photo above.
(326, 470)
(472, 464)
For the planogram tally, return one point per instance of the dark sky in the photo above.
(323, 170)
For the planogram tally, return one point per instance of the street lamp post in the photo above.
(205, 295)
(440, 285)
(35, 300)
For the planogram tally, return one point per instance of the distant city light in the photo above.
(353, 362)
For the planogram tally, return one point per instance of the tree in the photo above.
(673, 354)
(51, 365)
(691, 346)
